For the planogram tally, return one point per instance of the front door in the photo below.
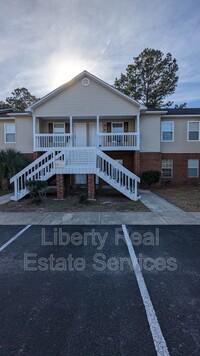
(80, 134)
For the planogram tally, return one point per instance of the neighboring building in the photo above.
(87, 128)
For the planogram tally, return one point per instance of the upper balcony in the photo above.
(107, 134)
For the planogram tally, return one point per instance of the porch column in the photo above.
(91, 186)
(138, 132)
(71, 130)
(34, 123)
(97, 131)
(60, 186)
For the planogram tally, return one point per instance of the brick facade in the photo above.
(91, 186)
(60, 186)
(180, 168)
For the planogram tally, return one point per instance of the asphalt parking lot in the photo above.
(72, 290)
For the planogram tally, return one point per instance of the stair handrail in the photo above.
(117, 165)
(31, 165)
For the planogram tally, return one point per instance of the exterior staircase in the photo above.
(77, 160)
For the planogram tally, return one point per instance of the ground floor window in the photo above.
(193, 168)
(167, 168)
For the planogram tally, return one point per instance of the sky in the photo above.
(45, 43)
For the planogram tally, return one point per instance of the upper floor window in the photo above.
(193, 168)
(193, 130)
(9, 133)
(167, 133)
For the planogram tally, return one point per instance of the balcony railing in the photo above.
(105, 141)
(45, 141)
(124, 141)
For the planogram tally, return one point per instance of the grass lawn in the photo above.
(106, 200)
(186, 198)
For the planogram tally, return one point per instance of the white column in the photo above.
(97, 131)
(71, 129)
(138, 132)
(34, 123)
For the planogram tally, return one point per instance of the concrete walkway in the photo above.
(162, 212)
(5, 198)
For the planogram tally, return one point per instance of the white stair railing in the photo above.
(40, 169)
(117, 175)
(77, 160)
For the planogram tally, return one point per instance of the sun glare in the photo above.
(64, 70)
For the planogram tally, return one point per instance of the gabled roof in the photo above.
(76, 79)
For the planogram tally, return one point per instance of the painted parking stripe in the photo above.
(158, 338)
(14, 237)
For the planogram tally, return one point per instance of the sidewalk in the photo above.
(162, 213)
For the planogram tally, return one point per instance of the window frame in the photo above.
(172, 168)
(188, 131)
(5, 132)
(167, 122)
(197, 168)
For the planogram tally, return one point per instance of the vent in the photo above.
(85, 82)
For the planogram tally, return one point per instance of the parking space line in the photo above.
(158, 338)
(14, 237)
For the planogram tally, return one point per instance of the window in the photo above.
(59, 130)
(167, 168)
(167, 131)
(9, 130)
(117, 127)
(193, 130)
(193, 168)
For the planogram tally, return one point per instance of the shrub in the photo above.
(37, 189)
(11, 162)
(151, 177)
(82, 199)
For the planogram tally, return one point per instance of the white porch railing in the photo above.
(45, 141)
(117, 141)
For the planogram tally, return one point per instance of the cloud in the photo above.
(45, 43)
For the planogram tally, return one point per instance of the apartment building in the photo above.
(87, 132)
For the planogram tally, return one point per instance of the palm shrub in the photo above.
(11, 162)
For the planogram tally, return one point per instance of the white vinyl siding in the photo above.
(9, 133)
(193, 168)
(167, 131)
(167, 168)
(193, 130)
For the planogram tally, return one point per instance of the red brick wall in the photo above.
(91, 186)
(60, 186)
(180, 167)
(149, 161)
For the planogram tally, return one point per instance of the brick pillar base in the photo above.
(137, 163)
(60, 186)
(91, 186)
(35, 155)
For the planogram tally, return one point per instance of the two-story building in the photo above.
(86, 131)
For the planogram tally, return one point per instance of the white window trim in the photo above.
(172, 169)
(188, 124)
(8, 142)
(168, 122)
(197, 176)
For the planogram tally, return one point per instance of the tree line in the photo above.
(150, 79)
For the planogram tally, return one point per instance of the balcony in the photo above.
(56, 141)
(117, 141)
(105, 141)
